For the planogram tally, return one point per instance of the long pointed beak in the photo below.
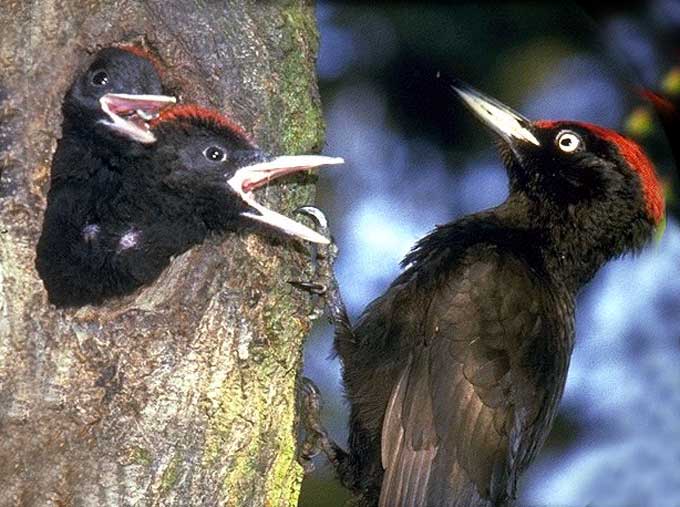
(246, 179)
(508, 124)
(129, 114)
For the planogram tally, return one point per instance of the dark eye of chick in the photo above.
(214, 154)
(100, 78)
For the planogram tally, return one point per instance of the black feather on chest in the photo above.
(104, 233)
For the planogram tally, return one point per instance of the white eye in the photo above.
(568, 141)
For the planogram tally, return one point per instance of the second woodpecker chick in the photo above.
(197, 178)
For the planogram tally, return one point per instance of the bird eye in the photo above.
(568, 141)
(100, 78)
(214, 154)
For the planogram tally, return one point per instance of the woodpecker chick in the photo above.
(197, 178)
(104, 124)
(91, 137)
(472, 342)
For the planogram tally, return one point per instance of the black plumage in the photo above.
(89, 150)
(88, 161)
(454, 374)
(196, 178)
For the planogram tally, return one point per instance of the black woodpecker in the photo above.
(196, 178)
(94, 134)
(455, 373)
(105, 120)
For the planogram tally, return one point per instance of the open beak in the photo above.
(248, 178)
(508, 124)
(129, 114)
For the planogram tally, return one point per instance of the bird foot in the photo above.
(326, 285)
(316, 437)
(310, 419)
(323, 286)
(313, 288)
(323, 257)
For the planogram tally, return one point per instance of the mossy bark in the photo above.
(184, 393)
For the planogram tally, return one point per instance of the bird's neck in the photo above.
(570, 243)
(565, 250)
(504, 228)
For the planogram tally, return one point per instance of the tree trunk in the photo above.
(184, 393)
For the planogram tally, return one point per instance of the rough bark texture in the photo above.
(184, 393)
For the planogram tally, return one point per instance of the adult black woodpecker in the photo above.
(104, 121)
(455, 373)
(195, 179)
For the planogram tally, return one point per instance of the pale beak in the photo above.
(246, 179)
(129, 114)
(508, 124)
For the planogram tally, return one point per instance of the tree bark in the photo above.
(184, 393)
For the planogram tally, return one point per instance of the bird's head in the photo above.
(104, 100)
(202, 159)
(580, 175)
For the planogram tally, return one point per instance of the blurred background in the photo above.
(416, 158)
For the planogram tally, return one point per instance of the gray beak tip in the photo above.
(503, 120)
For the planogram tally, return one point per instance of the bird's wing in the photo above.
(469, 395)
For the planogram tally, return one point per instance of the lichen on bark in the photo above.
(184, 393)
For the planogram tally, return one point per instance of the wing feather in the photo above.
(450, 429)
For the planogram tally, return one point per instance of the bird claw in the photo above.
(311, 287)
(316, 439)
(323, 256)
(326, 285)
(321, 222)
(316, 214)
(310, 417)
